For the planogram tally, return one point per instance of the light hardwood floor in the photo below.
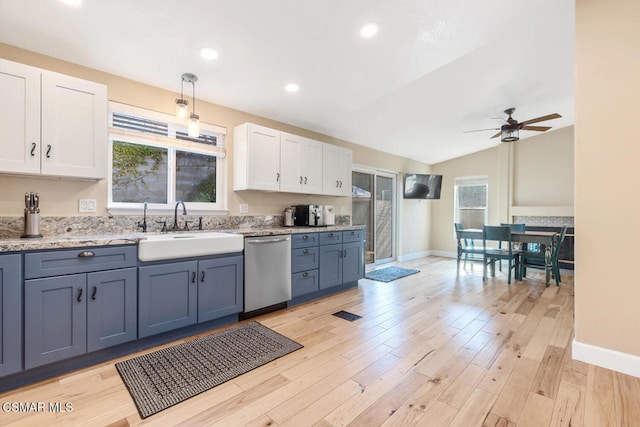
(432, 349)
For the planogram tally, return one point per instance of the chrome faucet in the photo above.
(143, 225)
(175, 214)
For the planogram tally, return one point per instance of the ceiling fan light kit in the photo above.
(511, 131)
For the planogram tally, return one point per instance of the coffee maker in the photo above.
(309, 216)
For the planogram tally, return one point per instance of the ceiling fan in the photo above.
(509, 131)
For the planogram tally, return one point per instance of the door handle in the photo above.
(301, 180)
(95, 291)
(33, 149)
(202, 277)
(278, 177)
(48, 151)
(268, 240)
(305, 179)
(79, 295)
(193, 277)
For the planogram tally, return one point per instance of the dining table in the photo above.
(547, 238)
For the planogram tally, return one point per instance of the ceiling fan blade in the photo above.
(536, 128)
(541, 119)
(479, 130)
(496, 135)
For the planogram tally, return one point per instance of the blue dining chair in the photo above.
(499, 235)
(536, 259)
(466, 248)
(514, 227)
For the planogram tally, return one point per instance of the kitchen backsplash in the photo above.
(13, 227)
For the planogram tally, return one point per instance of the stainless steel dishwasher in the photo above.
(267, 273)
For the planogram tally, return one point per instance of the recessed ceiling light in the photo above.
(292, 87)
(209, 53)
(72, 2)
(369, 30)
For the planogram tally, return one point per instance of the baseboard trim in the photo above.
(615, 360)
(412, 256)
(444, 254)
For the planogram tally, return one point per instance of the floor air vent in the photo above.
(347, 316)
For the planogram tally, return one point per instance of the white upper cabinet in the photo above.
(300, 164)
(74, 127)
(19, 118)
(336, 176)
(270, 160)
(51, 124)
(256, 158)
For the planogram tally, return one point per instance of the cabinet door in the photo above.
(55, 319)
(263, 152)
(167, 297)
(74, 127)
(304, 282)
(343, 171)
(330, 269)
(19, 118)
(352, 261)
(312, 167)
(10, 315)
(112, 303)
(291, 172)
(220, 285)
(336, 166)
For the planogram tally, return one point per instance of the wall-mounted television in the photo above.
(422, 186)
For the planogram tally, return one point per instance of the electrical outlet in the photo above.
(343, 210)
(244, 208)
(87, 205)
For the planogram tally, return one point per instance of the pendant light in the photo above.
(193, 125)
(182, 104)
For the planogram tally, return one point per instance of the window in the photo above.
(471, 206)
(153, 160)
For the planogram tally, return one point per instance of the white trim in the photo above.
(444, 254)
(412, 256)
(615, 360)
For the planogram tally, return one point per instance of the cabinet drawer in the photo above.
(330, 237)
(78, 260)
(353, 236)
(304, 259)
(304, 240)
(304, 283)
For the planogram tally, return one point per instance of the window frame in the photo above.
(470, 181)
(172, 145)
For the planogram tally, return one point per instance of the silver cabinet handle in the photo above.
(306, 251)
(86, 254)
(305, 274)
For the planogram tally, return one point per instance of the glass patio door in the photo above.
(374, 206)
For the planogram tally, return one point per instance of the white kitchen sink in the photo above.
(180, 245)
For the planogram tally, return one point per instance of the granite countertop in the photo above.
(74, 241)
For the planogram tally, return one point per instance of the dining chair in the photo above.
(536, 259)
(466, 248)
(499, 235)
(514, 227)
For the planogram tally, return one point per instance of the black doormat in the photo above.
(347, 316)
(169, 376)
(390, 274)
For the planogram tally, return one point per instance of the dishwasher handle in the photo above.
(268, 240)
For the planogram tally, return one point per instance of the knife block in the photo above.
(31, 225)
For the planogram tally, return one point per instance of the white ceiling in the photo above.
(436, 68)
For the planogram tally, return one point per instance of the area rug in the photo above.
(169, 376)
(390, 274)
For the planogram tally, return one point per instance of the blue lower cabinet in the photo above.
(341, 263)
(67, 316)
(178, 294)
(55, 319)
(330, 266)
(167, 297)
(10, 314)
(220, 287)
(112, 307)
(304, 282)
